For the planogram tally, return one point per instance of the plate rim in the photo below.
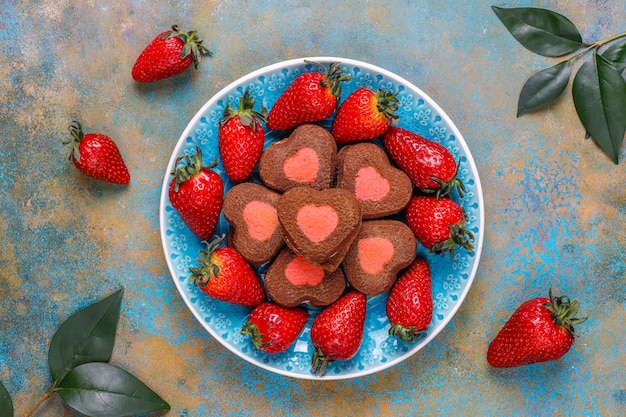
(397, 79)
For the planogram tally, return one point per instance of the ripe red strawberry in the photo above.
(540, 330)
(410, 302)
(365, 114)
(170, 53)
(438, 224)
(197, 194)
(97, 156)
(430, 166)
(225, 275)
(240, 138)
(311, 97)
(274, 328)
(337, 332)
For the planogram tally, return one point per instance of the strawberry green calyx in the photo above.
(459, 237)
(246, 112)
(202, 274)
(192, 44)
(564, 312)
(257, 337)
(405, 333)
(319, 362)
(447, 187)
(76, 130)
(334, 76)
(193, 165)
(387, 103)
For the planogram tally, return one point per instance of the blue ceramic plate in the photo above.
(452, 276)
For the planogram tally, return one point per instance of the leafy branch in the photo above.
(78, 360)
(599, 87)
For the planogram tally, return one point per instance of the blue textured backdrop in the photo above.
(555, 205)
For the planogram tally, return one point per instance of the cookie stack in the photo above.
(320, 219)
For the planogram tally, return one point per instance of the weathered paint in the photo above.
(555, 205)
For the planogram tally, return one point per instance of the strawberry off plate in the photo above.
(452, 276)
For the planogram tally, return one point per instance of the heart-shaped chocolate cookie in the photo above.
(381, 249)
(305, 158)
(251, 211)
(319, 225)
(381, 188)
(291, 280)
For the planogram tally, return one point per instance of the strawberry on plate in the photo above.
(274, 328)
(197, 194)
(540, 330)
(365, 114)
(410, 303)
(438, 223)
(225, 275)
(240, 138)
(97, 156)
(311, 97)
(430, 166)
(337, 332)
(172, 52)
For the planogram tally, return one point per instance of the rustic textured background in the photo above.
(555, 205)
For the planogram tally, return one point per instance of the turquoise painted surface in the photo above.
(555, 205)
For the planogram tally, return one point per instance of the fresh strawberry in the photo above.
(240, 138)
(365, 114)
(197, 194)
(430, 166)
(225, 275)
(410, 302)
(97, 156)
(311, 97)
(438, 224)
(337, 332)
(274, 328)
(170, 53)
(540, 330)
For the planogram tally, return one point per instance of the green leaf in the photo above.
(6, 405)
(542, 31)
(599, 93)
(86, 336)
(102, 390)
(615, 53)
(544, 86)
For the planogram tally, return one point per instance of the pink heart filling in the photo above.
(370, 185)
(374, 253)
(303, 166)
(300, 272)
(261, 219)
(317, 222)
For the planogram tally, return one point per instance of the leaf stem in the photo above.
(611, 39)
(43, 399)
(596, 45)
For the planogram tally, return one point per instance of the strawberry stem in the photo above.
(201, 275)
(192, 44)
(76, 130)
(245, 112)
(459, 237)
(193, 165)
(387, 104)
(334, 76)
(405, 333)
(446, 187)
(257, 337)
(319, 362)
(564, 311)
